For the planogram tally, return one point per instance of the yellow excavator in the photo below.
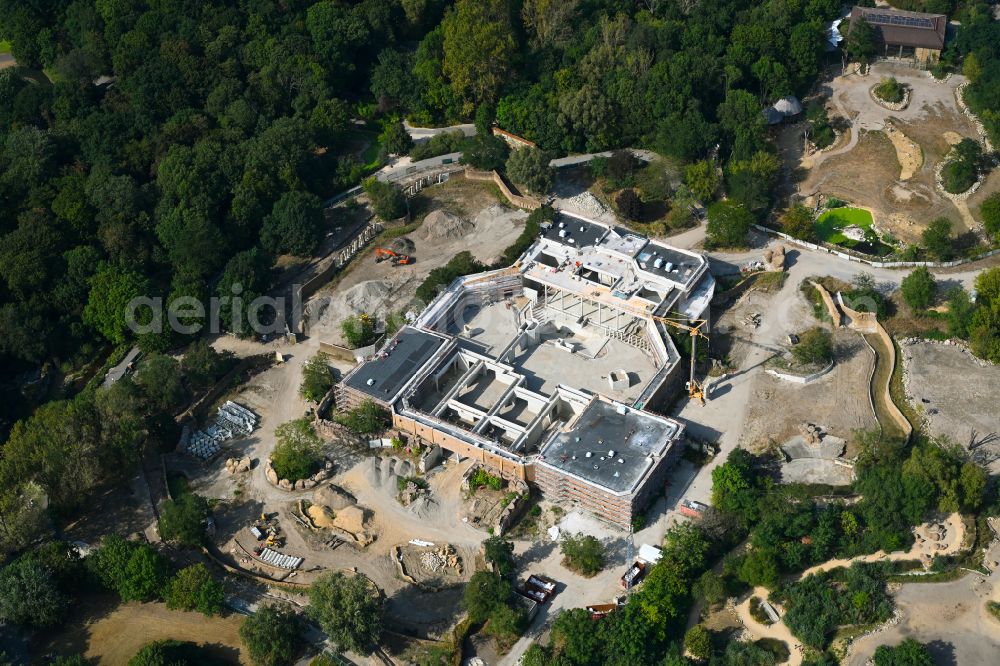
(693, 328)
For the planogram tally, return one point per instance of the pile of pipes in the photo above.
(237, 418)
(276, 559)
(232, 420)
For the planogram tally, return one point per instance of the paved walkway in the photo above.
(421, 134)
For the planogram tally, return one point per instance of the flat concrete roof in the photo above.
(602, 428)
(684, 264)
(578, 233)
(396, 364)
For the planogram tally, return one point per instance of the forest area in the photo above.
(176, 148)
(179, 148)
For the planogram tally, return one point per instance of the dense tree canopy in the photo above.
(348, 609)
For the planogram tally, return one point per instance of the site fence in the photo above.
(858, 258)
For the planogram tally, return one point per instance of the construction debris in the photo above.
(232, 421)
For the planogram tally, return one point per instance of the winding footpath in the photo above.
(780, 631)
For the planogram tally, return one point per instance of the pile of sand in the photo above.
(440, 225)
(425, 508)
(372, 296)
(910, 157)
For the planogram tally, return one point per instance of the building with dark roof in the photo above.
(906, 36)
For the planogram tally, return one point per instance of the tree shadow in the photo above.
(943, 653)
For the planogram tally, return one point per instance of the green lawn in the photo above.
(830, 224)
(365, 143)
(4, 46)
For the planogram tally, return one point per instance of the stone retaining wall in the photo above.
(518, 200)
(800, 379)
(301, 484)
(898, 106)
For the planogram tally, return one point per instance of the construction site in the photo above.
(547, 370)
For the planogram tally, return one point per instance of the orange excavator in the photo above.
(383, 254)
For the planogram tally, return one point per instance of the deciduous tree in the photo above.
(348, 609)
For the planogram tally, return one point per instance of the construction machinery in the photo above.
(395, 258)
(693, 328)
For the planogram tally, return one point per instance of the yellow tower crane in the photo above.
(693, 328)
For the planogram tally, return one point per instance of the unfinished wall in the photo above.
(432, 436)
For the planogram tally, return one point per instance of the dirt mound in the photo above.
(402, 245)
(440, 225)
(425, 508)
(333, 497)
(370, 296)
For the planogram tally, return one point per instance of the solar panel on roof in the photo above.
(896, 19)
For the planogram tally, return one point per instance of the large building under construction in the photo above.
(548, 369)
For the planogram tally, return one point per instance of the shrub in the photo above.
(728, 225)
(653, 181)
(359, 330)
(439, 144)
(194, 589)
(135, 571)
(890, 90)
(297, 454)
(29, 595)
(348, 609)
(798, 223)
(461, 264)
(918, 289)
(387, 200)
(272, 636)
(530, 167)
(815, 347)
(174, 653)
(698, 641)
(629, 205)
(990, 212)
(183, 519)
(481, 478)
(907, 653)
(317, 377)
(365, 419)
(582, 553)
(963, 167)
(937, 238)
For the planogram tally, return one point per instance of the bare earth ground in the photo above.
(838, 401)
(111, 634)
(950, 618)
(955, 391)
(867, 170)
(380, 288)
